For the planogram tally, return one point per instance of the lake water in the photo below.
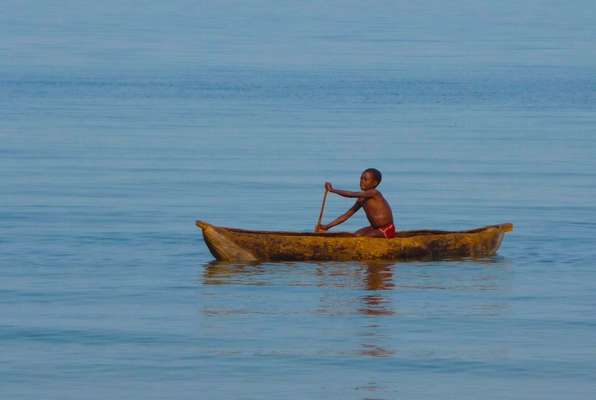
(121, 123)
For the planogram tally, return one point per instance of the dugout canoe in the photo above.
(231, 244)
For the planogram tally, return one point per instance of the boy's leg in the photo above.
(369, 231)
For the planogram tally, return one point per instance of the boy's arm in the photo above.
(367, 194)
(362, 195)
(342, 218)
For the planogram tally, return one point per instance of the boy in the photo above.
(375, 206)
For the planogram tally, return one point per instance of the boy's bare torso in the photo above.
(377, 209)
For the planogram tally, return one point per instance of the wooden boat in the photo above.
(230, 244)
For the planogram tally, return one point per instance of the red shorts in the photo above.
(388, 231)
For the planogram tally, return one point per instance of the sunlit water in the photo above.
(121, 124)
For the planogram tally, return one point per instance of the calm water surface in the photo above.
(122, 123)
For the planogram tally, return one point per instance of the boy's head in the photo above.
(370, 179)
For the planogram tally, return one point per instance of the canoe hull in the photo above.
(229, 244)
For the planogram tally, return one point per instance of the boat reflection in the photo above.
(369, 286)
(365, 311)
(378, 277)
(221, 272)
(370, 275)
(377, 280)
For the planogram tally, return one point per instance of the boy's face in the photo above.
(367, 181)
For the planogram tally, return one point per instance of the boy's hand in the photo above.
(328, 187)
(322, 228)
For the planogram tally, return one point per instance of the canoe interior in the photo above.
(404, 234)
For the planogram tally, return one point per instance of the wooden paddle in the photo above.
(321, 213)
